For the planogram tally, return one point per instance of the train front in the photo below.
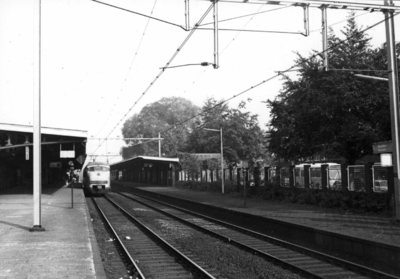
(97, 179)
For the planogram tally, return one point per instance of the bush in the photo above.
(348, 201)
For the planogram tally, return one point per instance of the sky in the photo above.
(100, 65)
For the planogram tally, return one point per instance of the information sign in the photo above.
(55, 164)
(382, 147)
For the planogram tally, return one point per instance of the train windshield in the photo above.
(98, 168)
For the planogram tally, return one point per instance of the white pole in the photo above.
(325, 37)
(394, 100)
(159, 145)
(216, 51)
(222, 165)
(37, 164)
(187, 20)
(107, 150)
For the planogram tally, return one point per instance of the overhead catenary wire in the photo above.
(252, 15)
(161, 72)
(338, 22)
(255, 14)
(133, 61)
(198, 27)
(230, 42)
(272, 77)
(140, 14)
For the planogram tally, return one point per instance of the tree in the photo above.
(155, 118)
(242, 135)
(333, 112)
(190, 164)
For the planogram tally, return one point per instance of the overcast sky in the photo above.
(97, 61)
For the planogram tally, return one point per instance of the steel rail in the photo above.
(198, 268)
(229, 240)
(322, 256)
(127, 254)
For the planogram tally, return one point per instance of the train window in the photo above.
(98, 168)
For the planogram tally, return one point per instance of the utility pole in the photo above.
(159, 145)
(325, 36)
(216, 42)
(394, 102)
(187, 19)
(37, 150)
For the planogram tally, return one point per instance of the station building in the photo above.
(62, 150)
(145, 169)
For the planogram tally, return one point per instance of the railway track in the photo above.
(149, 255)
(309, 263)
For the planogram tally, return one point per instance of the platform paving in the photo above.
(67, 248)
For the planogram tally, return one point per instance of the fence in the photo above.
(330, 176)
(380, 178)
(358, 178)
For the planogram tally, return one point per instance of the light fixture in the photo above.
(9, 140)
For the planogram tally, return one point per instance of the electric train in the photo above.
(96, 178)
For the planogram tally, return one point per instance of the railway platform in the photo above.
(67, 247)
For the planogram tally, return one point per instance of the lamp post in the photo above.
(222, 157)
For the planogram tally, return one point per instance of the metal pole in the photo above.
(325, 36)
(37, 164)
(72, 194)
(244, 188)
(159, 145)
(216, 51)
(107, 150)
(394, 103)
(187, 19)
(306, 20)
(222, 165)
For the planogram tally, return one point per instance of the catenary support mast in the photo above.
(37, 152)
(394, 102)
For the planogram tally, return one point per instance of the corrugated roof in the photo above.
(149, 158)
(44, 130)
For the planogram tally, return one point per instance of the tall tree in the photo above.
(242, 135)
(155, 118)
(333, 112)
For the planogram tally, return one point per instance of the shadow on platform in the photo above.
(15, 225)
